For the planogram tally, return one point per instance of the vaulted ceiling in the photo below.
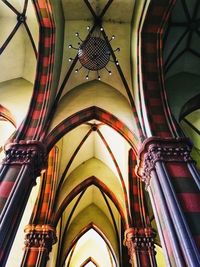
(182, 67)
(94, 154)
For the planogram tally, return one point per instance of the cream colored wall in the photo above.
(69, 145)
(13, 57)
(15, 95)
(17, 251)
(98, 94)
(18, 59)
(29, 67)
(53, 254)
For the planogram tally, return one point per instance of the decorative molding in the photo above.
(31, 153)
(40, 236)
(139, 240)
(156, 149)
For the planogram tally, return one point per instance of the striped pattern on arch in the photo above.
(32, 127)
(159, 115)
(88, 114)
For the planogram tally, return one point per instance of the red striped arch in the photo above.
(85, 115)
(158, 112)
(79, 188)
(32, 127)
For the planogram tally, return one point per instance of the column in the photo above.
(140, 244)
(165, 166)
(139, 238)
(38, 244)
(40, 233)
(23, 163)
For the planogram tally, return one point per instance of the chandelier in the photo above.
(94, 53)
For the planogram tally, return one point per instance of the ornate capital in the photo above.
(26, 152)
(40, 236)
(138, 239)
(156, 149)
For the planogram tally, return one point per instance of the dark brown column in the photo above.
(23, 163)
(40, 234)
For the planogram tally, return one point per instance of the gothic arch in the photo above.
(85, 115)
(78, 189)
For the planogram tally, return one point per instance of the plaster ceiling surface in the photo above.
(97, 168)
(182, 65)
(116, 21)
(96, 94)
(184, 84)
(14, 104)
(122, 40)
(120, 10)
(181, 48)
(92, 195)
(22, 63)
(17, 57)
(191, 126)
(66, 220)
(69, 144)
(94, 158)
(95, 148)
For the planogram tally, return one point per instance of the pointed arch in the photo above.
(160, 122)
(33, 125)
(84, 231)
(88, 114)
(79, 188)
(90, 259)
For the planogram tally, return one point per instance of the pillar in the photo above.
(140, 244)
(23, 162)
(172, 181)
(40, 234)
(139, 238)
(38, 244)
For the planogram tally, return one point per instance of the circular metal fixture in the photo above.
(94, 54)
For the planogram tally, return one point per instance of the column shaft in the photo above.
(21, 166)
(170, 176)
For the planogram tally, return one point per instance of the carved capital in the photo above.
(156, 149)
(40, 236)
(139, 240)
(31, 153)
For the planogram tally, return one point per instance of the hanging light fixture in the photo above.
(94, 53)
